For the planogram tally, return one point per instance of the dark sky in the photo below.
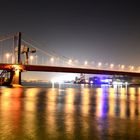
(106, 31)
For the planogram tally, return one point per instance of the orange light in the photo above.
(17, 67)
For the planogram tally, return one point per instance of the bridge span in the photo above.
(40, 68)
(78, 70)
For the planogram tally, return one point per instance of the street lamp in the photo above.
(85, 63)
(31, 58)
(122, 67)
(70, 62)
(111, 66)
(99, 64)
(132, 68)
(52, 59)
(7, 57)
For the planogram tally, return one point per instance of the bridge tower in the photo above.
(16, 72)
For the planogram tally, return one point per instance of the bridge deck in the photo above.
(39, 68)
(78, 70)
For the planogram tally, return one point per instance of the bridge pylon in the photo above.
(16, 71)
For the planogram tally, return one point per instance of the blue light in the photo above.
(100, 81)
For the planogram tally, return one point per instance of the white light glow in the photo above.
(99, 64)
(63, 78)
(111, 66)
(31, 57)
(122, 67)
(52, 59)
(86, 62)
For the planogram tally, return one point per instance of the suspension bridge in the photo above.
(19, 53)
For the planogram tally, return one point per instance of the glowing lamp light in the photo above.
(132, 68)
(91, 82)
(86, 62)
(122, 67)
(52, 59)
(31, 58)
(99, 64)
(70, 61)
(111, 66)
(7, 55)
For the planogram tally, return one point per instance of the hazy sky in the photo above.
(106, 31)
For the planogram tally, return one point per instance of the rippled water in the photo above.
(69, 113)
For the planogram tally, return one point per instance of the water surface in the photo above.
(69, 113)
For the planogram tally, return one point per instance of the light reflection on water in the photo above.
(71, 113)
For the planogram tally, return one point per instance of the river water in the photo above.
(70, 113)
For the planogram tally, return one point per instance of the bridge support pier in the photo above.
(16, 76)
(16, 79)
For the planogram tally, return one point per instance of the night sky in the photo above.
(106, 31)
